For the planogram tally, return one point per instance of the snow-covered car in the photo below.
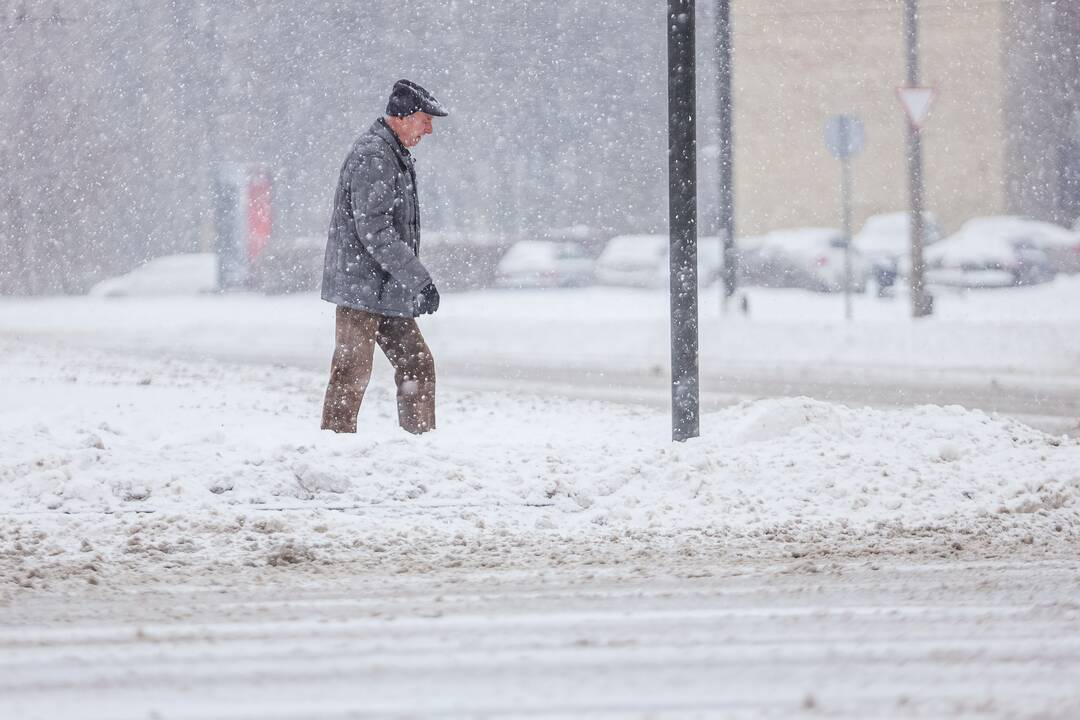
(885, 242)
(809, 258)
(186, 274)
(1061, 245)
(540, 263)
(887, 236)
(642, 261)
(989, 252)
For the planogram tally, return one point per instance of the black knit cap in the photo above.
(407, 98)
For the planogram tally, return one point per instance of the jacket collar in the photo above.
(383, 131)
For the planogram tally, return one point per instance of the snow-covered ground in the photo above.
(1015, 351)
(698, 638)
(169, 446)
(1021, 331)
(1028, 335)
(143, 460)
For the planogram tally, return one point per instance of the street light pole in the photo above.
(921, 301)
(682, 209)
(726, 163)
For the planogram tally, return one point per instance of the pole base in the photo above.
(923, 305)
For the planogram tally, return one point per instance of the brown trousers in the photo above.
(357, 332)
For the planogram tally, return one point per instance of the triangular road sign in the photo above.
(916, 102)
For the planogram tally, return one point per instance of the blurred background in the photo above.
(134, 131)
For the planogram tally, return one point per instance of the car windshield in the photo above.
(569, 251)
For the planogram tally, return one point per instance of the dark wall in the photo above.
(1042, 110)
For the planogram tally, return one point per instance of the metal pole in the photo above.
(921, 303)
(682, 208)
(724, 115)
(845, 183)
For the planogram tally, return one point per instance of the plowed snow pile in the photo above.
(114, 462)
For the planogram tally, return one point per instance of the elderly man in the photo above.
(372, 267)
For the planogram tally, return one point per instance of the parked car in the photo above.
(541, 263)
(463, 260)
(888, 236)
(1061, 245)
(642, 261)
(591, 239)
(187, 274)
(810, 258)
(988, 252)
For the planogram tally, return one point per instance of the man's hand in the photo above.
(427, 301)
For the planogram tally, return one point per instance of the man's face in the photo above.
(411, 128)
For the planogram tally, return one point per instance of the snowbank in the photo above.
(184, 274)
(150, 464)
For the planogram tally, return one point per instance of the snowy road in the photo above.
(1015, 352)
(849, 638)
(1053, 407)
(179, 540)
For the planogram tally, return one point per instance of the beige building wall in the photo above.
(798, 63)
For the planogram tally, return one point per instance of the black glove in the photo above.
(427, 301)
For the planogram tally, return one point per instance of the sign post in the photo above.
(682, 208)
(845, 136)
(916, 101)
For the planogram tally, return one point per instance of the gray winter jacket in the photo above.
(372, 251)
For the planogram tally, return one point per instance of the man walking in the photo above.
(372, 268)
